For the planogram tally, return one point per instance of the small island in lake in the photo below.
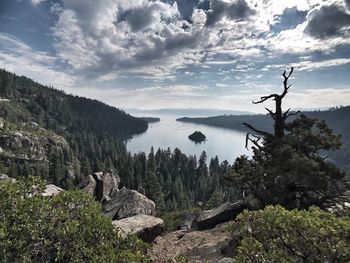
(197, 137)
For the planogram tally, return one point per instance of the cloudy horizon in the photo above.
(182, 53)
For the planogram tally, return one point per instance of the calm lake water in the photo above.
(226, 144)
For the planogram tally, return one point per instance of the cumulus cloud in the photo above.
(328, 21)
(155, 39)
(236, 10)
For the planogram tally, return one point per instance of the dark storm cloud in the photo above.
(328, 21)
(138, 18)
(235, 11)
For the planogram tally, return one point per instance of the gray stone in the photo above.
(226, 260)
(88, 185)
(5, 178)
(52, 190)
(144, 226)
(339, 205)
(127, 203)
(226, 212)
(102, 185)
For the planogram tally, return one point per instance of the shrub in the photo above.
(69, 227)
(278, 235)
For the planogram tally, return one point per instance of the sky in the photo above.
(151, 54)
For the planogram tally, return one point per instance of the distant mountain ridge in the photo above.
(190, 111)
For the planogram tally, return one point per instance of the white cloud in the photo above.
(151, 38)
(18, 57)
(37, 2)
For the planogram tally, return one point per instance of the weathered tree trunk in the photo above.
(278, 116)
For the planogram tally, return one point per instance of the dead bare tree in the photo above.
(278, 115)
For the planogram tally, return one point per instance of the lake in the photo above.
(226, 144)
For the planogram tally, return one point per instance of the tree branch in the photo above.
(285, 82)
(264, 133)
(264, 98)
(287, 114)
(273, 115)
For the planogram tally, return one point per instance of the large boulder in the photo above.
(127, 203)
(144, 226)
(226, 212)
(101, 184)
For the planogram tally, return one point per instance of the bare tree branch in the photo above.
(264, 98)
(264, 133)
(273, 115)
(287, 115)
(255, 142)
(285, 82)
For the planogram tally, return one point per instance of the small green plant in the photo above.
(182, 259)
(69, 227)
(275, 234)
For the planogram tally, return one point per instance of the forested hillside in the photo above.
(34, 117)
(336, 118)
(63, 138)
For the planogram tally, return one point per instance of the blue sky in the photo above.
(182, 53)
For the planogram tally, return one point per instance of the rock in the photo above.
(339, 205)
(5, 178)
(226, 212)
(196, 246)
(144, 226)
(226, 260)
(88, 185)
(197, 137)
(52, 190)
(127, 203)
(101, 184)
(188, 221)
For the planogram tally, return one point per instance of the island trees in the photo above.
(287, 167)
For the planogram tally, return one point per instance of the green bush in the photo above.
(69, 227)
(278, 235)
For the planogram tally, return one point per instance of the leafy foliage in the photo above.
(278, 235)
(69, 227)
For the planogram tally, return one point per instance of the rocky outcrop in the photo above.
(226, 212)
(339, 205)
(196, 246)
(144, 226)
(52, 190)
(127, 203)
(102, 185)
(88, 185)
